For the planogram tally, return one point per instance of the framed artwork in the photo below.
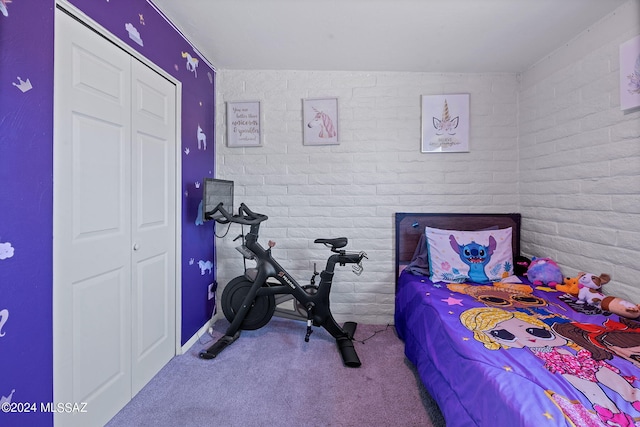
(445, 123)
(244, 124)
(320, 121)
(630, 74)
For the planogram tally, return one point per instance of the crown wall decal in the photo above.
(23, 85)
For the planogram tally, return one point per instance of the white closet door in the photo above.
(153, 219)
(114, 223)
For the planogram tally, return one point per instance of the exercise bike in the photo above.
(249, 301)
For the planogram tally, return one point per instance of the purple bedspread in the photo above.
(516, 355)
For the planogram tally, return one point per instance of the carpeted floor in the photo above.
(271, 377)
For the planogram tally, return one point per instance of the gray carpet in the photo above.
(271, 377)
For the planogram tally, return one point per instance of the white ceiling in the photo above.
(382, 35)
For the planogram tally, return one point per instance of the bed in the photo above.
(504, 352)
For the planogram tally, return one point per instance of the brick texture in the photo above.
(550, 143)
(353, 189)
(579, 181)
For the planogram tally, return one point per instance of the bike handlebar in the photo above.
(245, 216)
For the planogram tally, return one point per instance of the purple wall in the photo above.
(26, 181)
(26, 203)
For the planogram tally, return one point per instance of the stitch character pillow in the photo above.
(469, 256)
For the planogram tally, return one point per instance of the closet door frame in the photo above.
(70, 9)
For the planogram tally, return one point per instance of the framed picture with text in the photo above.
(445, 123)
(244, 124)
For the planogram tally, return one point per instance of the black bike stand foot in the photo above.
(218, 346)
(350, 328)
(345, 345)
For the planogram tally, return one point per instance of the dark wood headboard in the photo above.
(410, 226)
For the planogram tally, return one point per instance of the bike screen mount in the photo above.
(216, 192)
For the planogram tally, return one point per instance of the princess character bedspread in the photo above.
(511, 354)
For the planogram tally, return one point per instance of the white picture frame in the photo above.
(630, 74)
(445, 123)
(320, 121)
(244, 124)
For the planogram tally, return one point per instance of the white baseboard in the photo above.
(196, 337)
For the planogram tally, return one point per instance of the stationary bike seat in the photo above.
(337, 243)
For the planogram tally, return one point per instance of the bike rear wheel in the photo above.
(260, 312)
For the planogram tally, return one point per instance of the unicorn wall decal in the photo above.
(3, 7)
(4, 316)
(202, 139)
(192, 63)
(324, 122)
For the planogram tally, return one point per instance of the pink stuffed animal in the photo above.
(544, 271)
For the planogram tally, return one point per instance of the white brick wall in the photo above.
(354, 189)
(550, 143)
(580, 158)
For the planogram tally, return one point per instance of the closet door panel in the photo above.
(92, 226)
(153, 219)
(115, 239)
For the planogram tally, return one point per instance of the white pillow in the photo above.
(469, 256)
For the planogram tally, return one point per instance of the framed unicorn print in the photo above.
(320, 121)
(630, 74)
(445, 123)
(243, 124)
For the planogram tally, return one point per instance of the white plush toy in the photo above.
(588, 292)
(588, 287)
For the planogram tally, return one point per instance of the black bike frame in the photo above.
(317, 304)
(267, 267)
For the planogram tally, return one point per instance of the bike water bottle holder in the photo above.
(357, 269)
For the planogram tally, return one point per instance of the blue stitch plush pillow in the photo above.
(469, 256)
